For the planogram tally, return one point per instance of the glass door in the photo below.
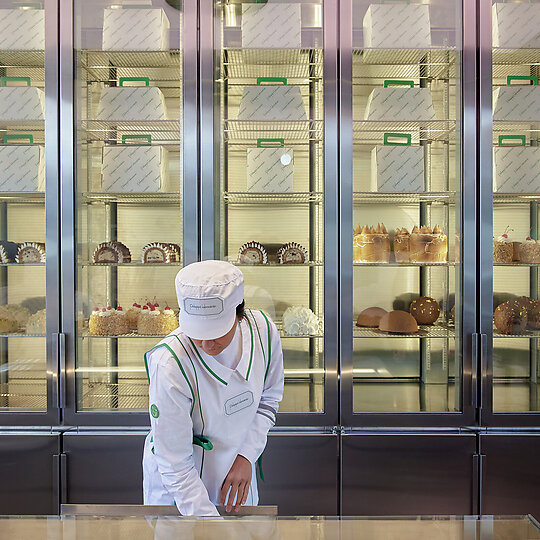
(269, 178)
(28, 206)
(128, 100)
(404, 245)
(514, 44)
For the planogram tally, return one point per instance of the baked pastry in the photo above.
(8, 326)
(112, 252)
(300, 321)
(154, 322)
(118, 323)
(425, 310)
(99, 322)
(503, 249)
(8, 251)
(428, 245)
(160, 253)
(133, 315)
(371, 317)
(402, 247)
(371, 245)
(30, 253)
(14, 317)
(252, 253)
(533, 315)
(399, 322)
(529, 251)
(510, 318)
(37, 323)
(292, 253)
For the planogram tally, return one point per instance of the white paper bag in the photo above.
(130, 168)
(271, 26)
(272, 103)
(132, 103)
(397, 26)
(22, 29)
(21, 103)
(516, 26)
(135, 30)
(270, 170)
(397, 167)
(516, 169)
(22, 167)
(518, 103)
(393, 103)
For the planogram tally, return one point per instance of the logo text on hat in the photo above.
(203, 306)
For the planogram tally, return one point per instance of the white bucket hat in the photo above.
(208, 293)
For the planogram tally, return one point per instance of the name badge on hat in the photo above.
(203, 306)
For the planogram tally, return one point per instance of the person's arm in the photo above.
(170, 403)
(238, 479)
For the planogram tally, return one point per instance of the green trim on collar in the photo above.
(258, 332)
(251, 353)
(269, 344)
(205, 364)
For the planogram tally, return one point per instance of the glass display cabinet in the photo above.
(269, 178)
(128, 98)
(403, 326)
(512, 179)
(28, 205)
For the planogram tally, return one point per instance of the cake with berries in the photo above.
(529, 251)
(153, 321)
(503, 249)
(133, 315)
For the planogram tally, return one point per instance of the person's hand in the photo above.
(238, 481)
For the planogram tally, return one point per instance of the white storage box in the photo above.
(133, 103)
(130, 168)
(516, 169)
(397, 26)
(518, 103)
(22, 29)
(271, 26)
(21, 103)
(22, 167)
(272, 103)
(409, 104)
(135, 30)
(397, 166)
(516, 26)
(270, 169)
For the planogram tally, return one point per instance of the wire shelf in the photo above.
(24, 126)
(241, 198)
(404, 265)
(25, 265)
(246, 130)
(404, 197)
(118, 396)
(524, 334)
(160, 130)
(424, 331)
(32, 59)
(307, 264)
(130, 265)
(509, 126)
(368, 131)
(26, 197)
(499, 198)
(85, 334)
(515, 57)
(517, 264)
(21, 335)
(133, 198)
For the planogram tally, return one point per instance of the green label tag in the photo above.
(154, 411)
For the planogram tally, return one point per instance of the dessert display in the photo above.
(108, 322)
(30, 253)
(300, 321)
(160, 253)
(425, 310)
(370, 317)
(402, 246)
(257, 253)
(13, 318)
(428, 245)
(398, 322)
(510, 317)
(153, 321)
(529, 251)
(503, 249)
(533, 315)
(112, 252)
(371, 245)
(37, 323)
(8, 251)
(133, 316)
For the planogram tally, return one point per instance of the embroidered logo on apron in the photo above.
(238, 403)
(154, 411)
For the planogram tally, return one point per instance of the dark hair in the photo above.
(241, 310)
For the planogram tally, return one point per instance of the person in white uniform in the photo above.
(215, 386)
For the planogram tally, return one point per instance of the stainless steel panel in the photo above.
(510, 473)
(104, 468)
(400, 474)
(26, 469)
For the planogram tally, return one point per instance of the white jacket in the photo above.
(191, 394)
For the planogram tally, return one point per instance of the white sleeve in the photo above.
(255, 441)
(170, 403)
